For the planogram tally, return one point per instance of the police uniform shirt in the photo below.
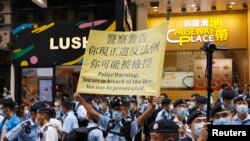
(238, 121)
(95, 134)
(4, 130)
(25, 131)
(106, 114)
(1, 118)
(81, 111)
(163, 114)
(104, 121)
(49, 133)
(70, 122)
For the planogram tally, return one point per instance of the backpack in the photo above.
(79, 134)
(125, 129)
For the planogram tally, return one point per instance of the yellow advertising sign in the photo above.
(124, 63)
(189, 32)
(204, 30)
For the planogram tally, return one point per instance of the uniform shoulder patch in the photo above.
(26, 124)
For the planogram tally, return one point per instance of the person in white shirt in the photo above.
(49, 132)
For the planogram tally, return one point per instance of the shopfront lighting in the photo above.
(41, 3)
(193, 5)
(232, 3)
(229, 7)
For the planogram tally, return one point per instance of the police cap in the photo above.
(239, 98)
(218, 108)
(179, 102)
(194, 115)
(35, 107)
(47, 111)
(227, 94)
(201, 99)
(165, 101)
(119, 102)
(164, 126)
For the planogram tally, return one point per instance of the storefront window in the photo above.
(67, 79)
(37, 83)
(179, 69)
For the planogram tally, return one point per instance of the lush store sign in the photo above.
(198, 30)
(68, 42)
(62, 43)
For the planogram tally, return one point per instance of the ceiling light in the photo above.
(155, 7)
(41, 3)
(232, 3)
(193, 5)
(155, 10)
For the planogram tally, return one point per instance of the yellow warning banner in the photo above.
(124, 63)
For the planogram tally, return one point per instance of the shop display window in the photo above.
(37, 83)
(186, 70)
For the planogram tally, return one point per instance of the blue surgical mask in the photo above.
(222, 121)
(182, 112)
(117, 116)
(100, 107)
(145, 106)
(242, 109)
(197, 128)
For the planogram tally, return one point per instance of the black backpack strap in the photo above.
(93, 128)
(46, 127)
(126, 127)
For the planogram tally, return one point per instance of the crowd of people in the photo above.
(120, 118)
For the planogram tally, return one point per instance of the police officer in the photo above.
(10, 120)
(164, 130)
(95, 134)
(49, 132)
(27, 130)
(221, 114)
(165, 113)
(242, 117)
(120, 119)
(228, 97)
(198, 126)
(69, 119)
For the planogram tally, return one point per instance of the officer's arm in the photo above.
(90, 110)
(142, 118)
